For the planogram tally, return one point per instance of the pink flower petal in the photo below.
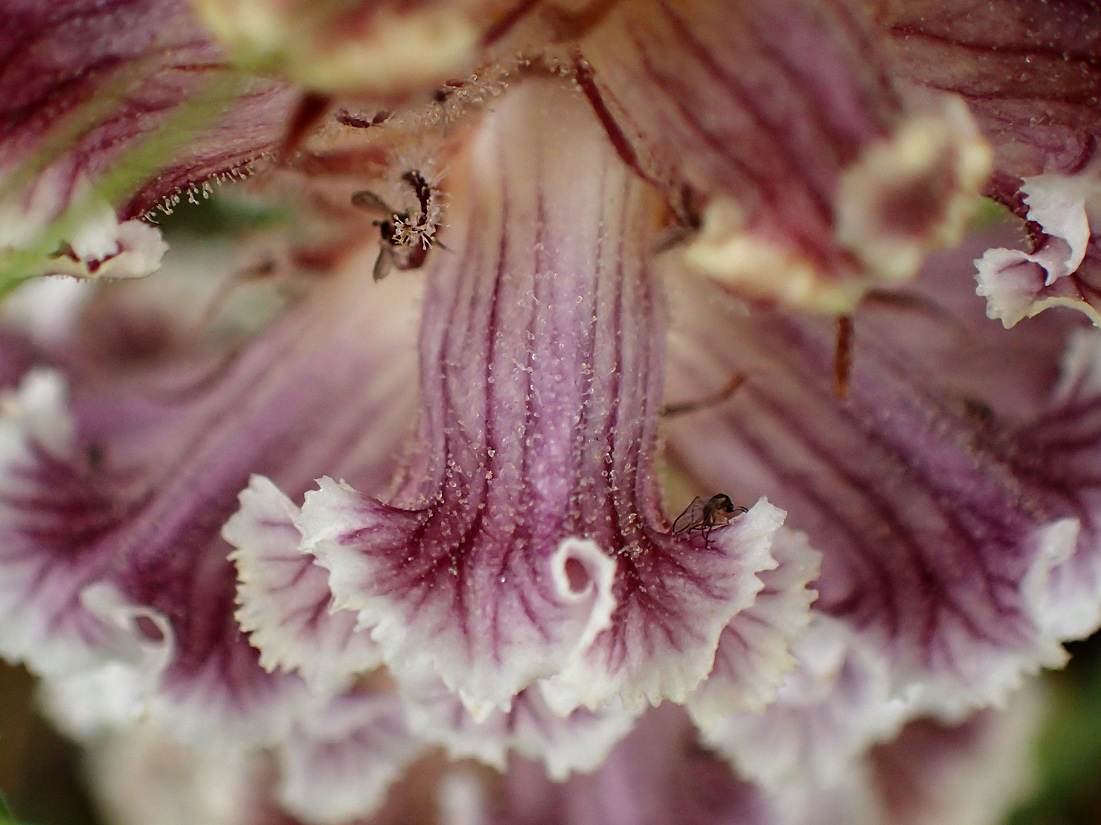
(812, 177)
(1029, 73)
(129, 484)
(527, 541)
(83, 83)
(944, 526)
(284, 596)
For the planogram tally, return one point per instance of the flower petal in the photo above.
(140, 777)
(527, 540)
(942, 526)
(387, 49)
(1064, 266)
(1029, 73)
(754, 650)
(661, 774)
(339, 763)
(284, 597)
(130, 484)
(577, 743)
(827, 714)
(778, 120)
(966, 773)
(1028, 70)
(83, 84)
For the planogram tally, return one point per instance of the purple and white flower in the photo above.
(364, 523)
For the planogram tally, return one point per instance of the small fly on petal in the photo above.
(703, 516)
(406, 236)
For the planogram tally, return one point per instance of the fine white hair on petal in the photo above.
(941, 521)
(526, 545)
(595, 677)
(812, 176)
(336, 510)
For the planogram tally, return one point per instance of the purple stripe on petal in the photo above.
(527, 540)
(775, 129)
(754, 650)
(1028, 69)
(284, 596)
(339, 762)
(131, 484)
(83, 82)
(1029, 73)
(942, 525)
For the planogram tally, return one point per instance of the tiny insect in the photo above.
(703, 515)
(406, 236)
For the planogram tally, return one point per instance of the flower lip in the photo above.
(527, 542)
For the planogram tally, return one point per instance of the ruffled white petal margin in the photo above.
(754, 652)
(574, 743)
(284, 598)
(1064, 266)
(338, 764)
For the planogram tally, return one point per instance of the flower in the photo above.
(261, 536)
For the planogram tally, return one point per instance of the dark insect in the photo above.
(406, 236)
(703, 516)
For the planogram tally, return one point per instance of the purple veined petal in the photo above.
(812, 177)
(83, 83)
(578, 742)
(944, 528)
(1062, 268)
(130, 482)
(660, 774)
(1028, 70)
(527, 540)
(284, 598)
(339, 763)
(1058, 452)
(825, 717)
(39, 599)
(754, 652)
